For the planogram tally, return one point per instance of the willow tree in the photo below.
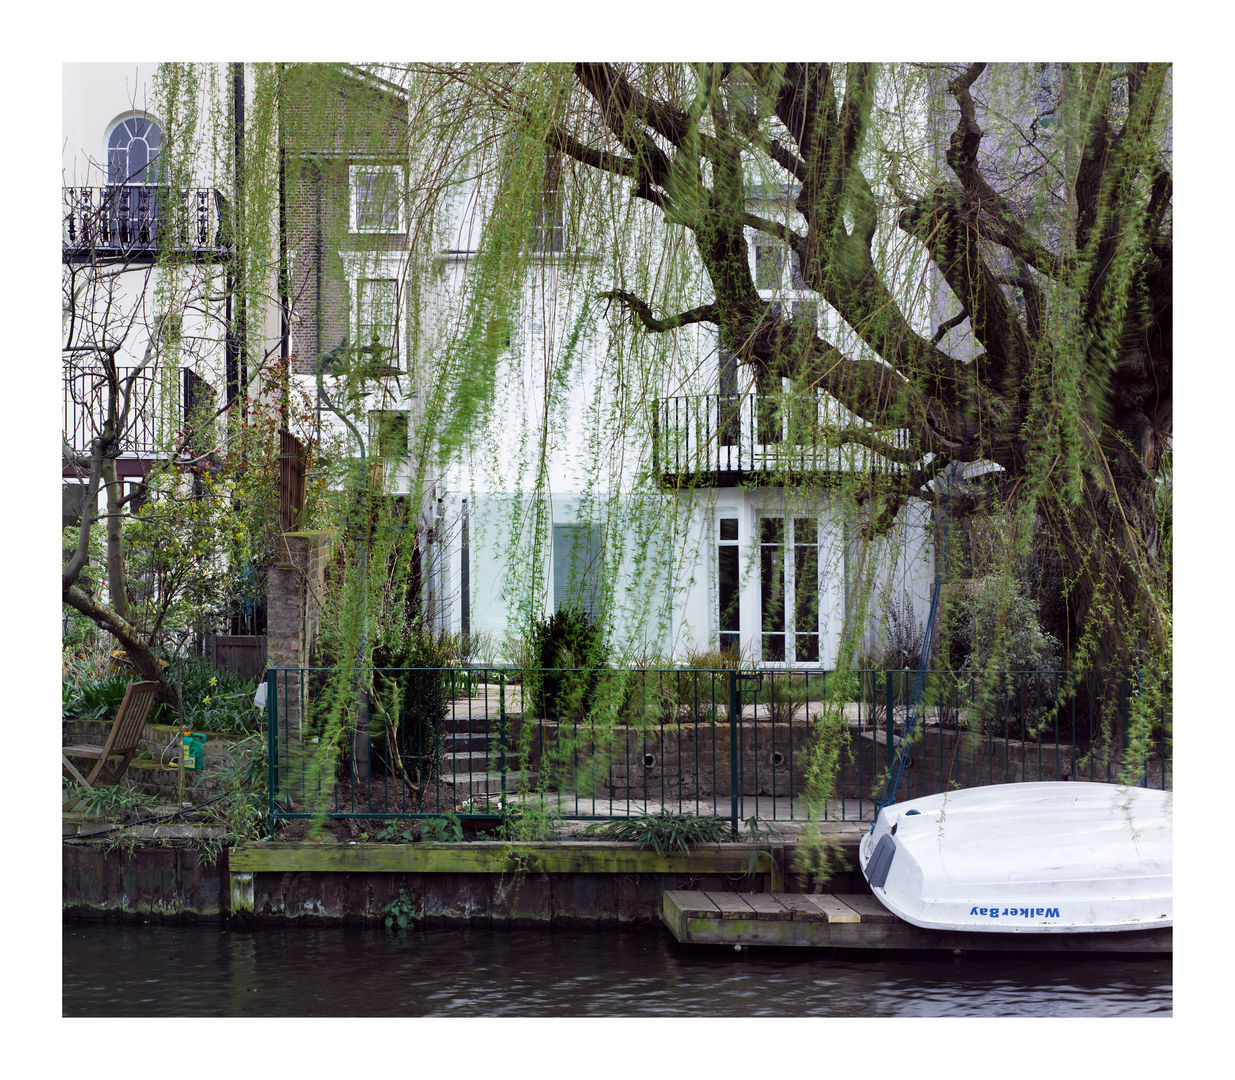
(991, 248)
(988, 253)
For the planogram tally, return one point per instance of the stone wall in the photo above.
(683, 761)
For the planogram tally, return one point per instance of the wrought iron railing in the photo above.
(489, 743)
(142, 220)
(153, 412)
(752, 433)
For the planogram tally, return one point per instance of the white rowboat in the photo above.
(1033, 858)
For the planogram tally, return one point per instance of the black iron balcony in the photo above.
(138, 221)
(723, 441)
(158, 409)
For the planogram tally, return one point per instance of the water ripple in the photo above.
(206, 971)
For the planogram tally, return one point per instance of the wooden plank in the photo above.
(680, 909)
(799, 907)
(731, 905)
(481, 857)
(691, 902)
(868, 908)
(834, 910)
(779, 933)
(766, 906)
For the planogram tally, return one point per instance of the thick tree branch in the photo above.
(704, 313)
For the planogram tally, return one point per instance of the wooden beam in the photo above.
(498, 857)
(858, 921)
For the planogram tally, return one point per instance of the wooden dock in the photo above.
(858, 921)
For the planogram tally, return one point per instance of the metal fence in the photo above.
(598, 744)
(754, 433)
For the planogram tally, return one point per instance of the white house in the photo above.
(692, 513)
(658, 490)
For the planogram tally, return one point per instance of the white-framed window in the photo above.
(549, 232)
(376, 199)
(375, 303)
(789, 589)
(377, 316)
(133, 147)
(728, 583)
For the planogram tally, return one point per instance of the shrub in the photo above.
(87, 696)
(213, 700)
(568, 651)
(241, 809)
(413, 683)
(1007, 649)
(117, 801)
(665, 831)
(785, 694)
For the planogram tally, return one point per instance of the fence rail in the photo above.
(598, 744)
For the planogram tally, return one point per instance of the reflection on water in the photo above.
(131, 970)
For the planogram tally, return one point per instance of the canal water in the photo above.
(205, 970)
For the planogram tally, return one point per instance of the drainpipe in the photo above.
(242, 313)
(465, 581)
(285, 285)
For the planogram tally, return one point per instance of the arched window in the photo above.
(132, 150)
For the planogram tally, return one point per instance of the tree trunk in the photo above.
(1110, 549)
(117, 590)
(134, 645)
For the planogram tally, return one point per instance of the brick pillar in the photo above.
(294, 590)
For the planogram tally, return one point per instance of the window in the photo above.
(376, 198)
(578, 565)
(388, 433)
(769, 263)
(789, 589)
(728, 575)
(377, 318)
(549, 232)
(132, 151)
(771, 258)
(772, 588)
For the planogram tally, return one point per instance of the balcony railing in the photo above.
(728, 437)
(154, 413)
(141, 220)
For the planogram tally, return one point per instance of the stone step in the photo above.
(486, 781)
(456, 742)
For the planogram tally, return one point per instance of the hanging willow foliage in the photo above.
(986, 255)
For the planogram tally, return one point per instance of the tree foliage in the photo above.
(972, 262)
(990, 248)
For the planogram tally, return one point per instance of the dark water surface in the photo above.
(134, 970)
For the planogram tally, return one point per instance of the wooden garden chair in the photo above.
(121, 740)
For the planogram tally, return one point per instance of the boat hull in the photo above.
(1051, 857)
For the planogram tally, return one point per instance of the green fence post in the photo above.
(734, 715)
(889, 699)
(501, 737)
(272, 744)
